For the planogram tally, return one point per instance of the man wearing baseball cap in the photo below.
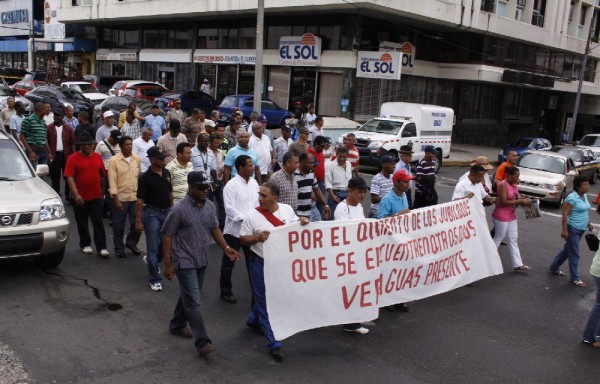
(395, 203)
(104, 131)
(425, 193)
(382, 183)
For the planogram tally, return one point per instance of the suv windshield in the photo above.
(542, 163)
(590, 141)
(382, 126)
(19, 168)
(72, 94)
(574, 154)
(84, 88)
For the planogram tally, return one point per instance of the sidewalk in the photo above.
(461, 155)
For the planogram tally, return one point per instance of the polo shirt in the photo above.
(104, 132)
(190, 226)
(380, 186)
(263, 148)
(34, 130)
(392, 204)
(155, 189)
(580, 211)
(179, 176)
(288, 188)
(424, 169)
(158, 125)
(320, 167)
(87, 172)
(236, 151)
(306, 184)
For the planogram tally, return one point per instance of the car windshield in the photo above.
(72, 94)
(382, 126)
(522, 142)
(5, 91)
(590, 141)
(574, 154)
(19, 168)
(230, 102)
(542, 163)
(84, 88)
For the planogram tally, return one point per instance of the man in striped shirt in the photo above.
(180, 168)
(425, 193)
(382, 183)
(34, 136)
(307, 187)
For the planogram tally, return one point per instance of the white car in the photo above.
(89, 91)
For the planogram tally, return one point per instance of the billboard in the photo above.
(408, 53)
(52, 28)
(15, 17)
(304, 51)
(379, 65)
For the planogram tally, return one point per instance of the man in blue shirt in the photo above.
(242, 148)
(156, 122)
(395, 202)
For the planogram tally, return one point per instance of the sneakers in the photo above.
(104, 253)
(145, 260)
(87, 250)
(156, 287)
(360, 330)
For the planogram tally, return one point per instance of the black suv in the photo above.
(59, 97)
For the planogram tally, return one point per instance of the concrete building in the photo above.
(507, 67)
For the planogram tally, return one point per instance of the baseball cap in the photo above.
(483, 161)
(197, 178)
(357, 183)
(303, 130)
(429, 148)
(402, 175)
(156, 152)
(387, 159)
(108, 113)
(261, 119)
(115, 133)
(175, 124)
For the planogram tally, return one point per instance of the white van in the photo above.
(400, 124)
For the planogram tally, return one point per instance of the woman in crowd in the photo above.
(575, 220)
(505, 218)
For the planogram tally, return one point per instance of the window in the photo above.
(582, 15)
(571, 8)
(409, 131)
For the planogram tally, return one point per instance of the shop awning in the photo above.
(166, 55)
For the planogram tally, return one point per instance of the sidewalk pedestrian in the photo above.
(123, 172)
(154, 198)
(253, 233)
(185, 248)
(85, 175)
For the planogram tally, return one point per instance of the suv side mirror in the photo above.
(42, 170)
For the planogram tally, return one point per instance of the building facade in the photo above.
(508, 68)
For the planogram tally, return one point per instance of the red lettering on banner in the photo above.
(364, 294)
(347, 266)
(309, 270)
(445, 268)
(348, 301)
(335, 237)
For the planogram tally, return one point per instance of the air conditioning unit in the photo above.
(488, 5)
(537, 20)
(518, 14)
(525, 78)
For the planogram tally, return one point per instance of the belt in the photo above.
(149, 207)
(340, 190)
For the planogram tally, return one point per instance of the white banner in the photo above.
(302, 50)
(330, 272)
(52, 28)
(379, 65)
(225, 56)
(408, 53)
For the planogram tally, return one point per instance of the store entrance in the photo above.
(227, 81)
(166, 76)
(302, 90)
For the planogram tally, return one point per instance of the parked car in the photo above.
(33, 223)
(3, 82)
(24, 86)
(523, 144)
(12, 75)
(59, 98)
(87, 89)
(546, 175)
(118, 104)
(146, 92)
(591, 142)
(189, 100)
(120, 86)
(5, 92)
(37, 76)
(586, 163)
(276, 116)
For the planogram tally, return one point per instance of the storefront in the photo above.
(229, 71)
(170, 67)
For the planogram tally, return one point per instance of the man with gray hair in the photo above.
(241, 148)
(141, 146)
(7, 113)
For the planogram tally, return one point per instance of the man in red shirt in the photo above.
(61, 141)
(317, 151)
(85, 175)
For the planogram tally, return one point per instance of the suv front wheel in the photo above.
(51, 260)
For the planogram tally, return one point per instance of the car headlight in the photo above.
(52, 209)
(376, 144)
(550, 186)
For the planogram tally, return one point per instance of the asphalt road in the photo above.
(511, 328)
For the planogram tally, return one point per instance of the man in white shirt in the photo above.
(205, 87)
(337, 175)
(282, 145)
(240, 196)
(104, 131)
(317, 129)
(351, 209)
(141, 146)
(310, 116)
(471, 186)
(254, 232)
(487, 181)
(262, 145)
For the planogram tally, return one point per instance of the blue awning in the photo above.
(13, 45)
(78, 45)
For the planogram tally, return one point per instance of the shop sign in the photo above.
(116, 56)
(379, 65)
(302, 50)
(408, 53)
(52, 28)
(16, 16)
(225, 56)
(39, 46)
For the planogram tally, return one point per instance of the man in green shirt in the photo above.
(34, 136)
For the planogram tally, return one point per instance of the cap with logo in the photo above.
(156, 153)
(262, 119)
(197, 178)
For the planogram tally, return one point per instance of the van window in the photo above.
(410, 130)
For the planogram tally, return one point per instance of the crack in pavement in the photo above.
(95, 291)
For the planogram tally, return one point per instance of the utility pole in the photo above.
(258, 67)
(581, 75)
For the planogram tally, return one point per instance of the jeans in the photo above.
(259, 313)
(90, 211)
(315, 214)
(502, 229)
(227, 266)
(119, 218)
(41, 153)
(188, 305)
(153, 221)
(332, 204)
(570, 251)
(57, 167)
(592, 329)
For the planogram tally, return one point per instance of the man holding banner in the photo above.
(254, 232)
